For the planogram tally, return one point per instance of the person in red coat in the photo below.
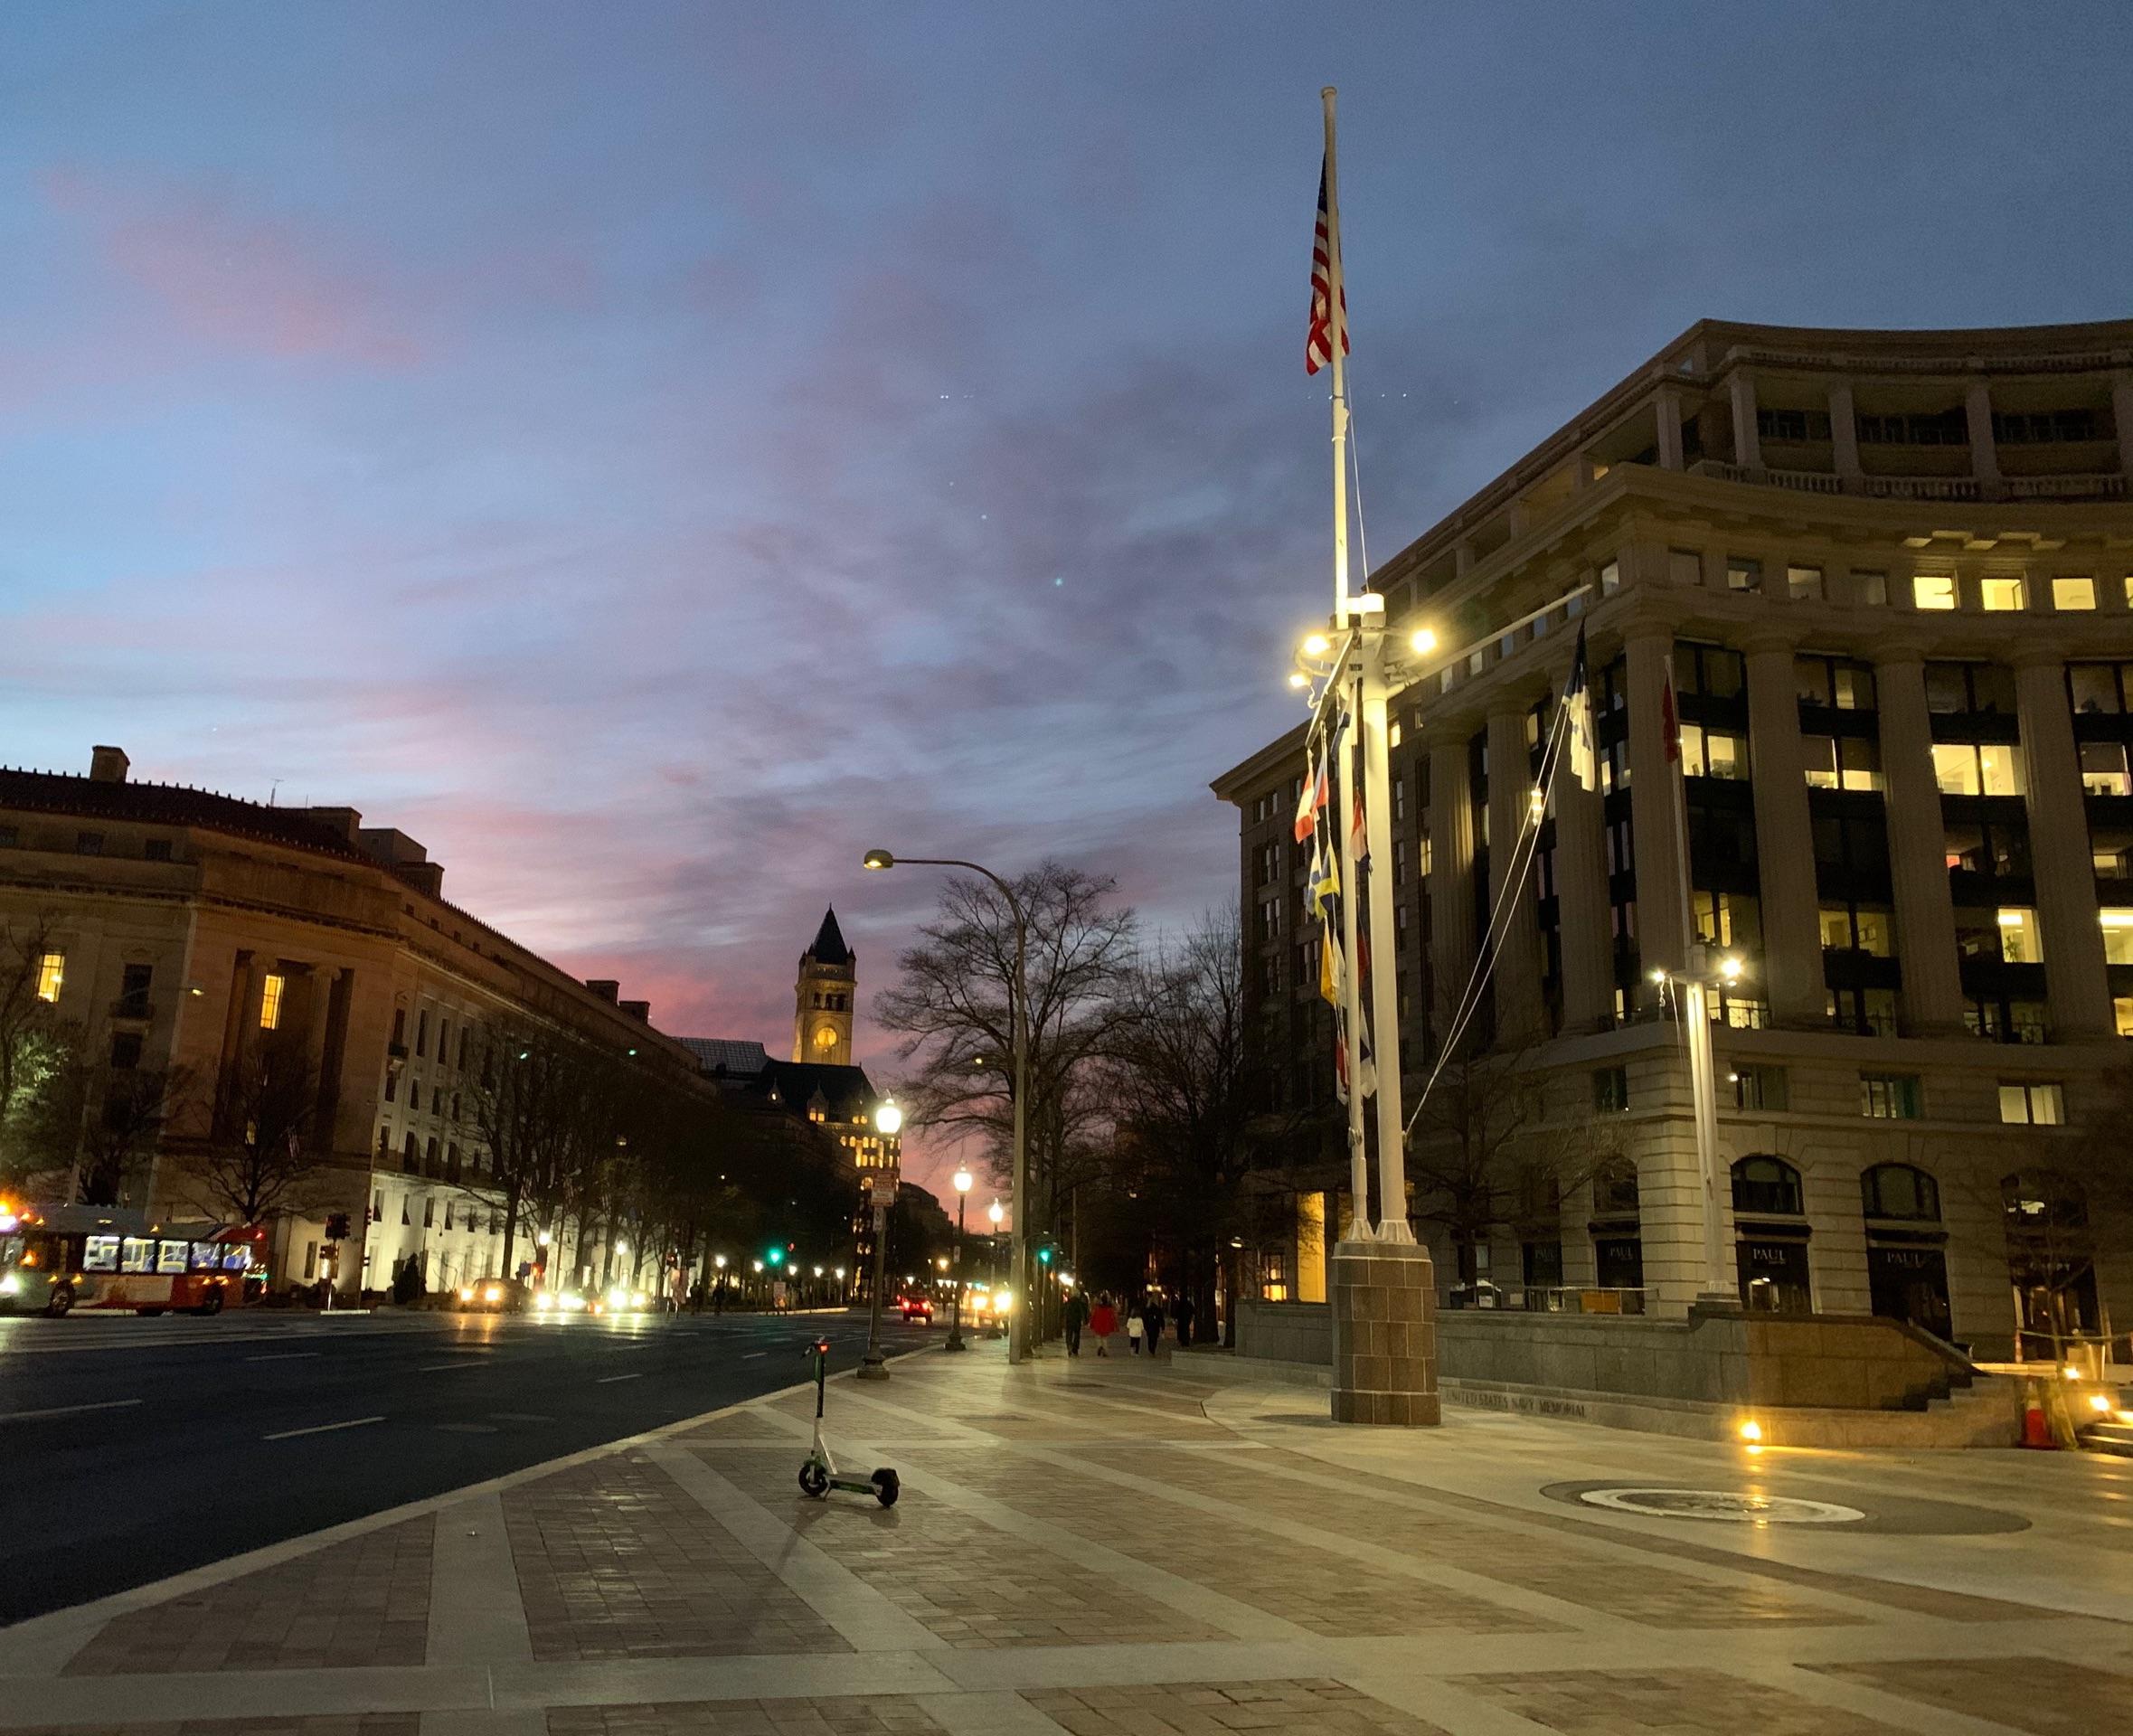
(1103, 1321)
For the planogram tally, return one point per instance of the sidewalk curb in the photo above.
(41, 1645)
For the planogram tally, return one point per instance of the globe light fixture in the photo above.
(1315, 644)
(888, 1117)
(963, 1180)
(878, 859)
(1422, 641)
(997, 1213)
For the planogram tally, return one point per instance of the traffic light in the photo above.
(774, 1255)
(1044, 1253)
(336, 1226)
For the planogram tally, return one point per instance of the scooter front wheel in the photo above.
(814, 1480)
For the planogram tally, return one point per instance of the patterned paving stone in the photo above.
(873, 1716)
(374, 1724)
(970, 1583)
(1296, 1708)
(1679, 1703)
(741, 1425)
(614, 1561)
(2034, 1694)
(365, 1601)
(1323, 1591)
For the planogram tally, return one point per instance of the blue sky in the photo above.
(652, 452)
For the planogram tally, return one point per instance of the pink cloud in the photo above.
(238, 279)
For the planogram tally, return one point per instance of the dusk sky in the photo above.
(650, 453)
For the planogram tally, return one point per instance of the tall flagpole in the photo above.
(1695, 1014)
(1348, 768)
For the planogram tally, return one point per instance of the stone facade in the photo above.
(1887, 577)
(187, 922)
(1385, 1334)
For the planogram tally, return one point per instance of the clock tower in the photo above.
(822, 1001)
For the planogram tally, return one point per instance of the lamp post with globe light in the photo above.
(963, 1180)
(1018, 1175)
(881, 1185)
(995, 1212)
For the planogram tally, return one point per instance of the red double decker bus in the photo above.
(57, 1260)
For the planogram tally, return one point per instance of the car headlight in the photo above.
(637, 1301)
(466, 1295)
(494, 1293)
(573, 1303)
(11, 1285)
(543, 1300)
(618, 1299)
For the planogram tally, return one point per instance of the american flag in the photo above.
(1318, 346)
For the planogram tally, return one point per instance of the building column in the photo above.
(1985, 453)
(1521, 1013)
(1918, 848)
(2075, 977)
(1843, 432)
(1582, 913)
(1654, 815)
(1791, 964)
(1747, 439)
(1667, 403)
(2121, 415)
(1451, 874)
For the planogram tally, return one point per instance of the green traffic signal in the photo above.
(774, 1257)
(1044, 1256)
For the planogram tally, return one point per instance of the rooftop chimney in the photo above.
(640, 1011)
(607, 988)
(108, 765)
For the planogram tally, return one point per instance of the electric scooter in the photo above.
(819, 1474)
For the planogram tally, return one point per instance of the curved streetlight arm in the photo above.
(1018, 1315)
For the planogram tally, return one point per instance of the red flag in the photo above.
(1669, 722)
(1318, 342)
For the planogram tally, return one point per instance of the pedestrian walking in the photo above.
(1136, 1326)
(1151, 1324)
(1185, 1321)
(1103, 1321)
(1075, 1315)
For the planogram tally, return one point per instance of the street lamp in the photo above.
(995, 1212)
(881, 1185)
(963, 1180)
(1018, 1178)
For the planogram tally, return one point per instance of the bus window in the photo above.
(100, 1254)
(206, 1254)
(236, 1259)
(171, 1256)
(137, 1254)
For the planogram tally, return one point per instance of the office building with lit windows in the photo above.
(1889, 575)
(177, 928)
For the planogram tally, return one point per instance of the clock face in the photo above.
(825, 1037)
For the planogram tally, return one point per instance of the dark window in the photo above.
(133, 991)
(1614, 1190)
(400, 1027)
(2043, 427)
(423, 1032)
(1610, 1088)
(1899, 1191)
(1766, 1184)
(156, 850)
(88, 844)
(126, 1050)
(1759, 1087)
(1946, 428)
(1798, 425)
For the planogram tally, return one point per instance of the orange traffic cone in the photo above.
(2036, 1429)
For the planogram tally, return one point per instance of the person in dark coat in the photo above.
(1151, 1316)
(1185, 1321)
(1076, 1318)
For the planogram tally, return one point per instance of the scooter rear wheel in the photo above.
(885, 1486)
(814, 1480)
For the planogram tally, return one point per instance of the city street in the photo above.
(138, 1448)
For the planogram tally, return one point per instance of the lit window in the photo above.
(271, 1002)
(1889, 1097)
(1842, 762)
(2118, 934)
(2103, 768)
(2121, 1008)
(1803, 584)
(2041, 1106)
(2073, 594)
(1933, 590)
(1968, 769)
(51, 972)
(1747, 575)
(2003, 594)
(1710, 753)
(2019, 944)
(2127, 583)
(1610, 578)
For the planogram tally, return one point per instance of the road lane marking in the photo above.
(609, 1379)
(322, 1428)
(438, 1368)
(283, 1356)
(66, 1411)
(750, 1357)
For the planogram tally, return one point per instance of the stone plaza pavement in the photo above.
(1117, 1547)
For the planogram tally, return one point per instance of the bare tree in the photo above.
(529, 1108)
(33, 1053)
(954, 1001)
(259, 1159)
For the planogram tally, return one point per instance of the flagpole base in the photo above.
(1385, 1334)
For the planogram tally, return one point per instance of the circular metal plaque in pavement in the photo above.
(1721, 1503)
